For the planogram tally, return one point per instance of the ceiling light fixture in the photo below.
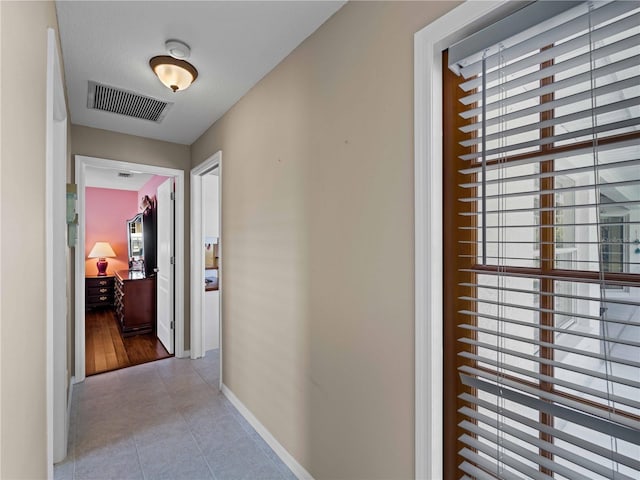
(175, 73)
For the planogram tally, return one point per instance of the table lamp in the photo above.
(101, 250)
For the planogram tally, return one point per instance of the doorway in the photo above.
(128, 305)
(125, 273)
(130, 214)
(206, 251)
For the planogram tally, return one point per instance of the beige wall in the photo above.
(318, 229)
(22, 203)
(318, 243)
(94, 142)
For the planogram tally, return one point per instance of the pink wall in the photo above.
(106, 213)
(151, 187)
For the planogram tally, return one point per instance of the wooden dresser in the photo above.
(135, 302)
(99, 292)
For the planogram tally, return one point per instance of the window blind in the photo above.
(546, 268)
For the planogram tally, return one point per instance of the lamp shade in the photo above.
(176, 74)
(101, 250)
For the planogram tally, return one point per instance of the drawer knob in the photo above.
(103, 290)
(102, 299)
(102, 282)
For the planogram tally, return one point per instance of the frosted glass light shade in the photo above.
(101, 250)
(174, 73)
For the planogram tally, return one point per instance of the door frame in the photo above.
(197, 258)
(82, 162)
(56, 257)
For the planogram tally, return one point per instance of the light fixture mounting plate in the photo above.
(177, 49)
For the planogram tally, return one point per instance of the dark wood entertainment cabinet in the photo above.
(135, 302)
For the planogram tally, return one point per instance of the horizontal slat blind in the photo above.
(564, 26)
(548, 212)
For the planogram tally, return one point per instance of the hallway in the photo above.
(163, 420)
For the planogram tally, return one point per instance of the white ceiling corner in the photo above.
(233, 45)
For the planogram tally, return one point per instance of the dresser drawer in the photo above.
(99, 292)
(99, 299)
(99, 282)
(93, 291)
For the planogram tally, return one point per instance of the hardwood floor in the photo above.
(106, 349)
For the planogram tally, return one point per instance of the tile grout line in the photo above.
(189, 426)
(204, 457)
(135, 441)
(74, 412)
(258, 444)
(249, 433)
(135, 444)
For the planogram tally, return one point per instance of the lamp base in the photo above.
(102, 267)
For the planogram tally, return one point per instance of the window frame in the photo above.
(546, 272)
(429, 381)
(428, 45)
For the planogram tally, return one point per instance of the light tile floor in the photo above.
(163, 420)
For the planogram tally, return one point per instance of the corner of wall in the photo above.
(23, 427)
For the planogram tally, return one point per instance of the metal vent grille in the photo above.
(123, 102)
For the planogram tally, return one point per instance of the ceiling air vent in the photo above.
(123, 102)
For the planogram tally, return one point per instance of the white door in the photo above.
(164, 276)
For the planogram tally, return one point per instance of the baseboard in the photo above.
(297, 469)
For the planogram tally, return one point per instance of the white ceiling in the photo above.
(233, 45)
(108, 178)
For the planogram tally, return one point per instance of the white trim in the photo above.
(220, 274)
(197, 259)
(81, 163)
(298, 470)
(79, 274)
(1, 228)
(428, 45)
(50, 160)
(197, 268)
(55, 256)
